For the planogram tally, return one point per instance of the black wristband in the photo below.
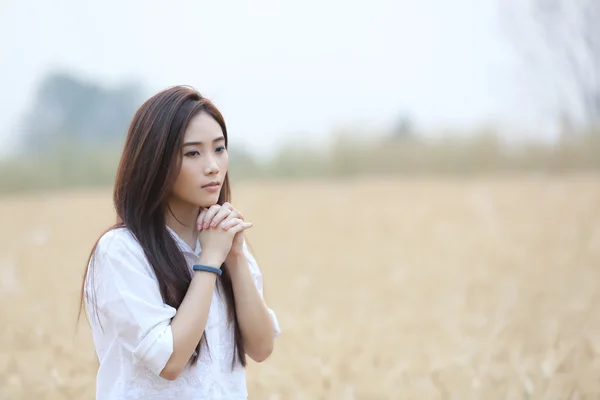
(198, 267)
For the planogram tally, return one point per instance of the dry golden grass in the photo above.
(398, 289)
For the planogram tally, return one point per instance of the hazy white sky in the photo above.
(280, 69)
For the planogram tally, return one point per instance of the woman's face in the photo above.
(204, 163)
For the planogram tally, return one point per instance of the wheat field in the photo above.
(481, 288)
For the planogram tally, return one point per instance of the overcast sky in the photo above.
(281, 69)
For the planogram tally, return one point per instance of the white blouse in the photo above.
(134, 340)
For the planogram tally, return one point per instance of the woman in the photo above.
(174, 296)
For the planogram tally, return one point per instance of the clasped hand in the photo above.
(221, 231)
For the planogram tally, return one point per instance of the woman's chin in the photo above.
(207, 202)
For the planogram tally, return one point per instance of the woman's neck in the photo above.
(182, 220)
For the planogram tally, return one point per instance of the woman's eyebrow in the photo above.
(196, 143)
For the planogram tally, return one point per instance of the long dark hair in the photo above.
(149, 166)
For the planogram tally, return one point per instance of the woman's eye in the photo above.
(220, 149)
(192, 153)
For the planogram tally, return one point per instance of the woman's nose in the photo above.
(211, 167)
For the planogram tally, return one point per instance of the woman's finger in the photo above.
(212, 211)
(237, 213)
(231, 215)
(200, 219)
(221, 215)
(234, 212)
(242, 226)
(229, 222)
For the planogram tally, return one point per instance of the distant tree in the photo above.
(241, 162)
(403, 129)
(66, 108)
(562, 38)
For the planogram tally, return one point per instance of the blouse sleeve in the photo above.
(128, 298)
(258, 280)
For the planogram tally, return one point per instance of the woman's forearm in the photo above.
(253, 316)
(190, 320)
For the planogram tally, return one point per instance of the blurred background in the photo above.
(422, 177)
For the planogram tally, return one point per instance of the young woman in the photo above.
(174, 297)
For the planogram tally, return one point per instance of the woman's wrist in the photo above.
(211, 260)
(236, 254)
(236, 260)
